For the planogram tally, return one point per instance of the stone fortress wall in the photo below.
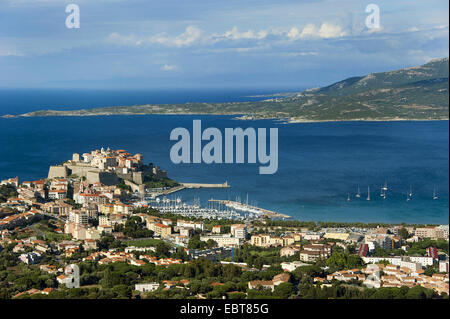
(58, 171)
(92, 174)
(97, 175)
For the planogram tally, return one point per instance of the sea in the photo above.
(320, 166)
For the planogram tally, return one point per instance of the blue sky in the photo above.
(208, 43)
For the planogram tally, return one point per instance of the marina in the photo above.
(245, 207)
(216, 208)
(194, 210)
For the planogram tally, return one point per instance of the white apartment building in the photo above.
(402, 261)
(189, 224)
(291, 266)
(424, 261)
(411, 265)
(223, 240)
(239, 230)
(151, 286)
(104, 220)
(443, 266)
(78, 217)
(57, 194)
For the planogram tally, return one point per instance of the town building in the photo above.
(239, 231)
(223, 240)
(146, 287)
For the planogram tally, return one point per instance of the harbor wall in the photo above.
(205, 185)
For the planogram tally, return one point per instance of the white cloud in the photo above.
(169, 67)
(326, 31)
(116, 38)
(307, 53)
(190, 36)
(234, 34)
(294, 33)
(309, 30)
(9, 53)
(194, 36)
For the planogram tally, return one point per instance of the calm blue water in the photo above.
(319, 163)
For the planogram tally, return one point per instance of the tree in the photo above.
(382, 293)
(416, 292)
(430, 270)
(180, 254)
(162, 250)
(284, 290)
(123, 291)
(211, 243)
(7, 191)
(308, 272)
(196, 243)
(236, 295)
(339, 261)
(403, 233)
(258, 263)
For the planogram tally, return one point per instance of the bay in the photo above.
(319, 163)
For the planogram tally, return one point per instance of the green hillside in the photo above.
(415, 93)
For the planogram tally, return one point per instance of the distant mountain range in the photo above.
(415, 93)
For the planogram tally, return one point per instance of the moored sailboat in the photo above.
(435, 196)
(358, 194)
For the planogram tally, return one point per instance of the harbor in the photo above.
(245, 207)
(194, 210)
(215, 209)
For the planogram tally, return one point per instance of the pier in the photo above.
(192, 186)
(205, 185)
(172, 190)
(246, 207)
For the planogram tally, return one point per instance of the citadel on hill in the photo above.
(108, 166)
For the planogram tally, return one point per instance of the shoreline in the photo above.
(284, 217)
(283, 120)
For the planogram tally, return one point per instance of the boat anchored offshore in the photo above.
(348, 197)
(368, 193)
(385, 187)
(383, 193)
(358, 194)
(435, 196)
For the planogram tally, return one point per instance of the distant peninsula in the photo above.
(415, 93)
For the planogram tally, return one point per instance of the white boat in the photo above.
(368, 192)
(383, 193)
(435, 196)
(358, 194)
(348, 197)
